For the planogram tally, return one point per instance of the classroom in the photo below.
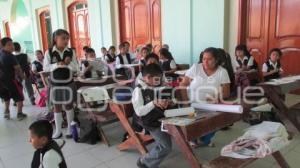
(149, 83)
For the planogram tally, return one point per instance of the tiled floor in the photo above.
(16, 151)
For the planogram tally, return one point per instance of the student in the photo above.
(144, 52)
(127, 48)
(61, 62)
(112, 52)
(93, 68)
(106, 57)
(48, 154)
(168, 63)
(25, 66)
(204, 81)
(149, 59)
(11, 87)
(272, 67)
(149, 110)
(122, 59)
(37, 67)
(244, 60)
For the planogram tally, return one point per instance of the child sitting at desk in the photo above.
(272, 67)
(93, 68)
(244, 60)
(48, 154)
(149, 110)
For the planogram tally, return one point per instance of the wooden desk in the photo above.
(213, 121)
(276, 96)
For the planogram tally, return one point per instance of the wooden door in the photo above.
(140, 22)
(272, 24)
(7, 29)
(79, 26)
(46, 29)
(284, 33)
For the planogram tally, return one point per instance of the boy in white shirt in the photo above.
(48, 153)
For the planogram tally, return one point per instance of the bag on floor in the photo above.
(41, 101)
(88, 129)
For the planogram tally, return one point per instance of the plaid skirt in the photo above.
(62, 94)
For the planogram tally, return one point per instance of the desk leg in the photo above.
(280, 160)
(134, 139)
(184, 146)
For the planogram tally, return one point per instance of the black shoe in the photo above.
(21, 116)
(140, 164)
(69, 136)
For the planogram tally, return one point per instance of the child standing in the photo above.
(272, 67)
(62, 63)
(149, 110)
(48, 153)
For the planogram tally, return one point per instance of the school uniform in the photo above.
(204, 86)
(25, 66)
(148, 116)
(248, 61)
(12, 88)
(270, 66)
(50, 156)
(108, 58)
(37, 66)
(62, 89)
(97, 66)
(169, 65)
(122, 60)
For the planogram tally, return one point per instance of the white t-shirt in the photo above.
(203, 86)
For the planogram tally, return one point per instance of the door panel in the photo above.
(140, 22)
(285, 32)
(46, 30)
(79, 27)
(257, 23)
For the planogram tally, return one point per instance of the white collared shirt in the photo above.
(118, 62)
(250, 61)
(138, 101)
(265, 67)
(48, 67)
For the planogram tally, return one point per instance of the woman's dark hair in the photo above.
(215, 53)
(42, 128)
(17, 46)
(243, 47)
(275, 50)
(166, 53)
(152, 55)
(39, 51)
(58, 32)
(226, 63)
(5, 40)
(201, 57)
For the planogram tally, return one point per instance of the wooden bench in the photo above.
(135, 140)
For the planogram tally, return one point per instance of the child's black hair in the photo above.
(112, 47)
(152, 55)
(58, 32)
(90, 50)
(122, 45)
(126, 43)
(166, 53)
(275, 50)
(17, 46)
(152, 69)
(39, 51)
(5, 40)
(85, 47)
(42, 128)
(103, 48)
(243, 47)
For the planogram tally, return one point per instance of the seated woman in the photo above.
(272, 67)
(208, 82)
(168, 64)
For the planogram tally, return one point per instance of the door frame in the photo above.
(7, 28)
(242, 22)
(41, 26)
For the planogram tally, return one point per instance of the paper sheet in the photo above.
(219, 107)
(95, 94)
(179, 112)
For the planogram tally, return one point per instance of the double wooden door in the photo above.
(140, 22)
(267, 24)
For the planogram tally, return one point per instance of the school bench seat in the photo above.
(227, 162)
(135, 140)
